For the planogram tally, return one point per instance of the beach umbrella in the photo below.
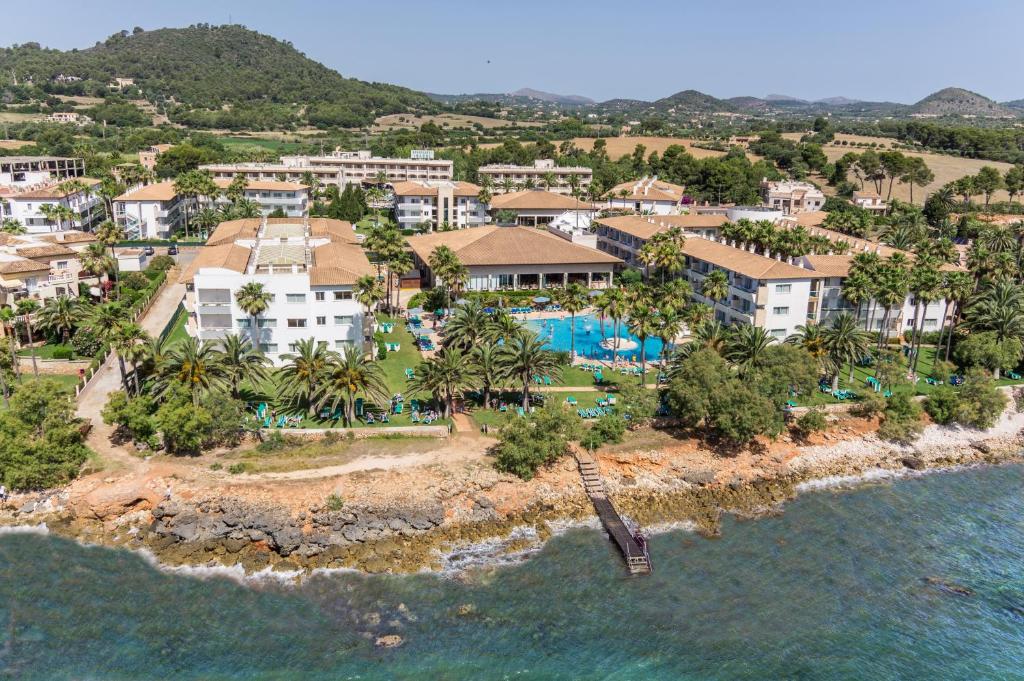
(542, 299)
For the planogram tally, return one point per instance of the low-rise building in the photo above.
(647, 195)
(152, 211)
(505, 177)
(309, 266)
(869, 200)
(438, 203)
(537, 207)
(43, 266)
(148, 157)
(23, 172)
(623, 236)
(514, 258)
(791, 196)
(31, 204)
(68, 117)
(340, 168)
(131, 260)
(290, 198)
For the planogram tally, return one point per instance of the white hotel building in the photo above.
(438, 203)
(309, 267)
(152, 211)
(499, 173)
(340, 168)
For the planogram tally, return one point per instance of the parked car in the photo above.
(172, 250)
(148, 250)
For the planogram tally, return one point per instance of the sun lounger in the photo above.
(547, 380)
(520, 411)
(281, 421)
(610, 398)
(267, 422)
(1013, 375)
(570, 399)
(399, 407)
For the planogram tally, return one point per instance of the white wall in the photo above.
(656, 207)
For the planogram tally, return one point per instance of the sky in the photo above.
(894, 50)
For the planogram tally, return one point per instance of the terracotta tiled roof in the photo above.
(645, 227)
(338, 263)
(656, 190)
(71, 236)
(337, 230)
(229, 256)
(413, 188)
(158, 191)
(830, 265)
(54, 191)
(228, 232)
(22, 265)
(44, 251)
(263, 185)
(491, 245)
(743, 262)
(537, 199)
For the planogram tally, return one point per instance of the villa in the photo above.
(309, 267)
(438, 203)
(647, 195)
(513, 258)
(500, 174)
(340, 168)
(152, 211)
(536, 207)
(870, 200)
(43, 266)
(791, 196)
(27, 203)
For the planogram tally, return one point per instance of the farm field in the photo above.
(13, 144)
(277, 146)
(623, 146)
(398, 121)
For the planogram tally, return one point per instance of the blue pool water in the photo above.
(588, 337)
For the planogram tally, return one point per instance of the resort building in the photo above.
(536, 175)
(33, 171)
(43, 266)
(30, 204)
(309, 267)
(791, 196)
(623, 236)
(339, 168)
(148, 157)
(152, 211)
(437, 204)
(767, 292)
(514, 258)
(536, 207)
(870, 200)
(647, 195)
(290, 198)
(68, 117)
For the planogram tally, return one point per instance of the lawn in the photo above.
(273, 145)
(177, 332)
(43, 351)
(65, 381)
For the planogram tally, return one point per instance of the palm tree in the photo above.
(346, 375)
(857, 288)
(61, 316)
(398, 263)
(524, 357)
(207, 218)
(486, 358)
(447, 375)
(893, 286)
(12, 226)
(670, 325)
(811, 337)
(447, 269)
(845, 343)
(574, 298)
(502, 327)
(194, 364)
(549, 180)
(253, 299)
(242, 362)
(468, 326)
(716, 285)
(926, 284)
(958, 288)
(643, 323)
(369, 292)
(128, 341)
(95, 260)
(746, 345)
(27, 307)
(303, 371)
(612, 304)
(50, 214)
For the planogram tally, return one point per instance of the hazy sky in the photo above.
(897, 50)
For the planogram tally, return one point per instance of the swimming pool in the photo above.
(588, 337)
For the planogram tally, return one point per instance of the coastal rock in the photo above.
(699, 476)
(913, 462)
(389, 641)
(166, 509)
(981, 446)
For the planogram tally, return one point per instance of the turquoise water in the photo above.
(834, 588)
(588, 337)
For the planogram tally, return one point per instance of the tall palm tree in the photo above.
(303, 371)
(128, 340)
(207, 218)
(643, 323)
(524, 357)
(958, 288)
(369, 292)
(811, 337)
(670, 325)
(612, 304)
(893, 285)
(574, 299)
(95, 260)
(746, 345)
(61, 316)
(857, 289)
(502, 327)
(447, 375)
(398, 263)
(194, 364)
(716, 285)
(254, 299)
(468, 326)
(242, 362)
(926, 284)
(486, 358)
(26, 308)
(845, 343)
(347, 375)
(448, 269)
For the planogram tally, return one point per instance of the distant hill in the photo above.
(954, 101)
(1015, 104)
(784, 98)
(837, 101)
(551, 97)
(693, 101)
(208, 67)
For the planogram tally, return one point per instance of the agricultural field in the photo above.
(623, 146)
(446, 120)
(13, 144)
(10, 117)
(276, 146)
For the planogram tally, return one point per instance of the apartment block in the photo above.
(27, 203)
(291, 198)
(153, 211)
(535, 176)
(648, 195)
(43, 266)
(438, 203)
(791, 196)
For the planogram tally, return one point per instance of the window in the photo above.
(297, 323)
(62, 264)
(214, 321)
(295, 297)
(213, 295)
(342, 320)
(268, 347)
(320, 295)
(341, 345)
(321, 321)
(780, 310)
(266, 323)
(244, 323)
(778, 333)
(783, 288)
(343, 295)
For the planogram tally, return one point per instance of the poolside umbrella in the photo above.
(542, 299)
(595, 294)
(439, 312)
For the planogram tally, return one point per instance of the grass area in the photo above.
(366, 224)
(178, 331)
(43, 351)
(65, 381)
(494, 418)
(274, 145)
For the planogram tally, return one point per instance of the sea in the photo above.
(912, 577)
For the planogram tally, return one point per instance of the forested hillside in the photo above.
(209, 76)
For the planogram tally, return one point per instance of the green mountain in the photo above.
(203, 70)
(953, 101)
(692, 101)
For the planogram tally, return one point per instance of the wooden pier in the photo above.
(638, 561)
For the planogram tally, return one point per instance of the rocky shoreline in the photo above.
(415, 533)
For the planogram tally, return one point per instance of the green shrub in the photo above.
(942, 404)
(135, 281)
(901, 420)
(216, 466)
(942, 370)
(335, 502)
(981, 403)
(526, 444)
(85, 343)
(62, 352)
(237, 468)
(813, 421)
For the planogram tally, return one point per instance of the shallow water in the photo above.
(834, 588)
(557, 336)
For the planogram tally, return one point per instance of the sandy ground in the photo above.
(623, 146)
